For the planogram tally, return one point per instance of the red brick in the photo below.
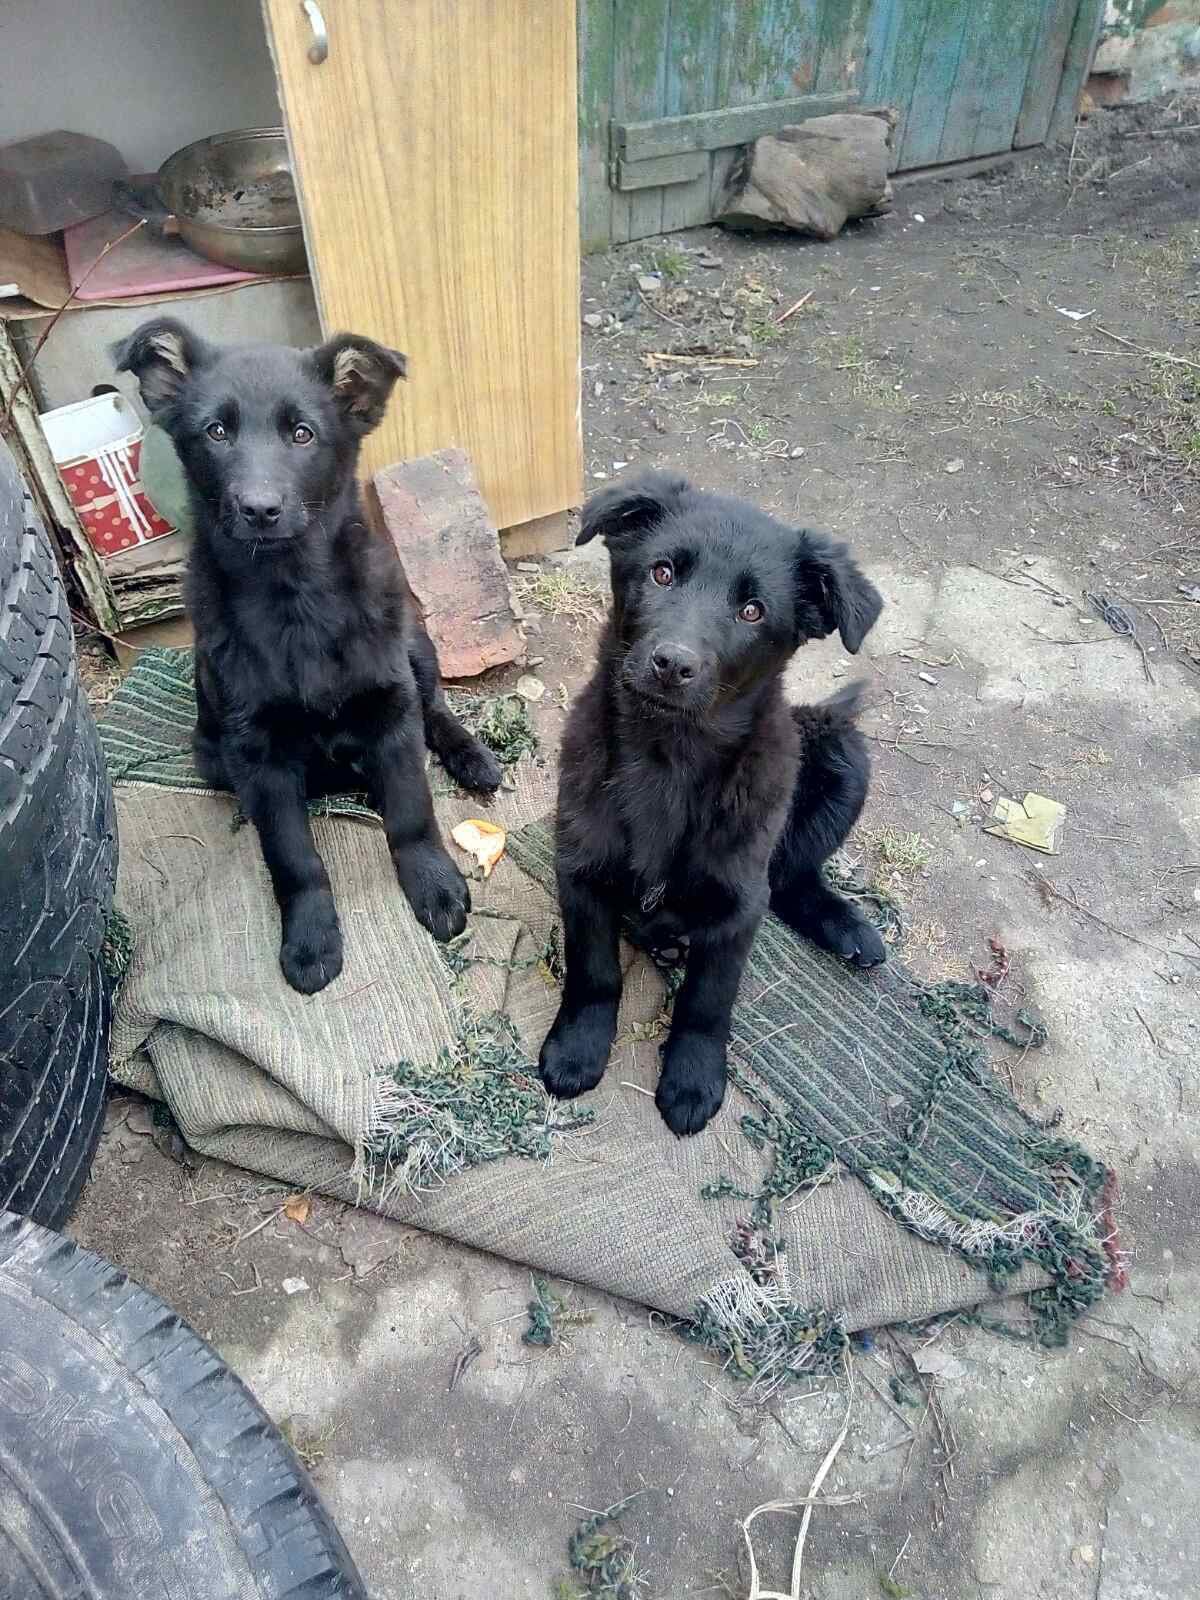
(438, 522)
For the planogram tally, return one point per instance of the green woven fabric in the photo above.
(850, 1063)
(927, 1188)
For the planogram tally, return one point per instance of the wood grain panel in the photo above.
(436, 157)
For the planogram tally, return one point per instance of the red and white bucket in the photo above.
(97, 448)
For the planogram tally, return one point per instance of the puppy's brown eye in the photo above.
(215, 431)
(663, 574)
(302, 434)
(752, 611)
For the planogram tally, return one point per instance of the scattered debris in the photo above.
(297, 1208)
(482, 839)
(1036, 822)
(294, 1286)
(468, 1353)
(1075, 316)
(593, 319)
(530, 687)
(549, 1317)
(1121, 621)
(814, 176)
(604, 1559)
(956, 465)
(501, 721)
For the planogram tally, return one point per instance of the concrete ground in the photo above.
(993, 461)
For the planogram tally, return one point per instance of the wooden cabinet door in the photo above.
(435, 151)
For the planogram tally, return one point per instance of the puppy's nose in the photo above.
(674, 664)
(260, 510)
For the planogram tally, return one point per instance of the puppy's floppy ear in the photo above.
(162, 355)
(627, 509)
(361, 374)
(832, 593)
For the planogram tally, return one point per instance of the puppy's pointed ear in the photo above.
(831, 593)
(361, 374)
(162, 355)
(618, 515)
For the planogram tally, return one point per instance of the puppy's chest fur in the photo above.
(315, 641)
(683, 826)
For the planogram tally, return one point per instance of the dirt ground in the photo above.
(994, 396)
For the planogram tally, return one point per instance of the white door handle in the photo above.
(319, 48)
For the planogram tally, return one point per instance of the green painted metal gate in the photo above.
(669, 88)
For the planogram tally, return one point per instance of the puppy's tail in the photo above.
(839, 712)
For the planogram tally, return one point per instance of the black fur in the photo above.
(314, 672)
(691, 796)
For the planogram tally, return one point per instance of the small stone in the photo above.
(982, 862)
(294, 1286)
(986, 796)
(959, 807)
(536, 661)
(140, 1119)
(619, 466)
(796, 452)
(600, 476)
(705, 258)
(597, 389)
(917, 217)
(838, 669)
(528, 566)
(1085, 1554)
(593, 319)
(530, 688)
(1060, 600)
(649, 283)
(956, 465)
(927, 677)
(1029, 561)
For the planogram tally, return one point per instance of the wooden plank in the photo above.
(985, 101)
(440, 203)
(541, 537)
(945, 27)
(595, 113)
(32, 453)
(640, 33)
(1045, 72)
(715, 130)
(845, 26)
(894, 43)
(693, 52)
(660, 171)
(1089, 19)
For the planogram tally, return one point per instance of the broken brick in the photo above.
(450, 548)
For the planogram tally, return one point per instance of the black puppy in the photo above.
(691, 796)
(314, 672)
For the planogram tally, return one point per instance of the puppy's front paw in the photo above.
(473, 766)
(692, 1085)
(435, 889)
(847, 933)
(311, 955)
(576, 1051)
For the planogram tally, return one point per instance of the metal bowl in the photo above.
(234, 200)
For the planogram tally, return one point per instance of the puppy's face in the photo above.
(712, 597)
(267, 435)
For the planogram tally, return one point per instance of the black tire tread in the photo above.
(282, 1525)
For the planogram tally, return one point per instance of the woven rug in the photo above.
(868, 1167)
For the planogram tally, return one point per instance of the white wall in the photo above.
(147, 75)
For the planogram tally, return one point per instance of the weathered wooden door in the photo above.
(435, 150)
(970, 77)
(669, 87)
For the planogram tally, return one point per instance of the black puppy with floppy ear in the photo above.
(314, 672)
(691, 796)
